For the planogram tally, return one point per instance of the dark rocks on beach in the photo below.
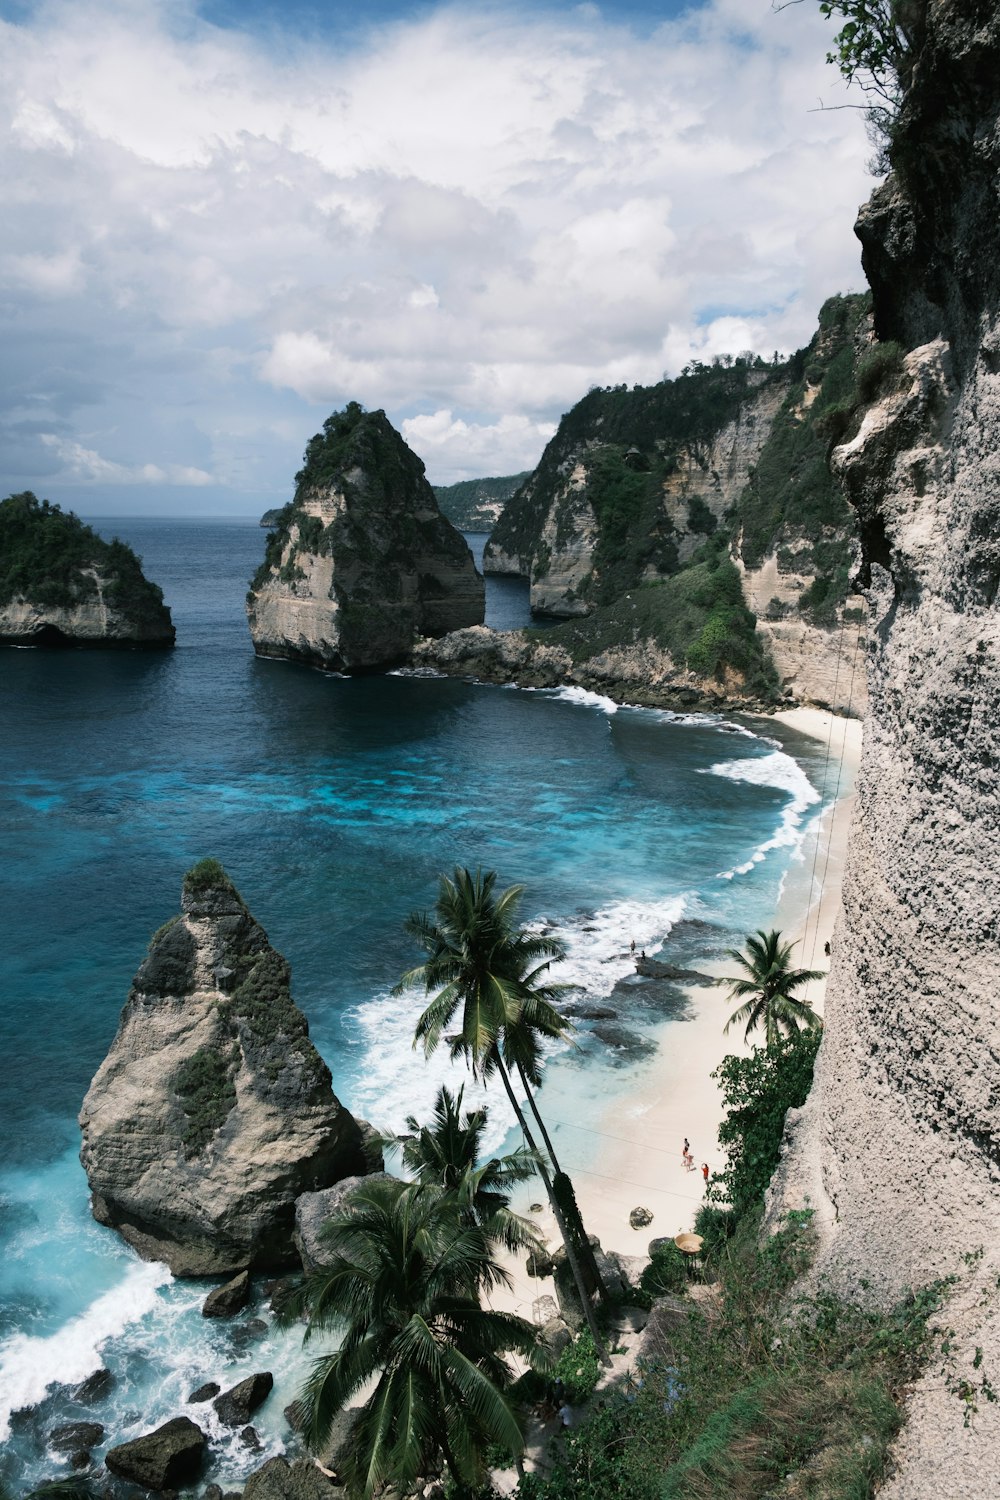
(171, 1456)
(75, 1435)
(556, 1334)
(654, 968)
(280, 1480)
(229, 1298)
(624, 1046)
(541, 1263)
(245, 1334)
(640, 1217)
(94, 1389)
(590, 1013)
(235, 1407)
(205, 1392)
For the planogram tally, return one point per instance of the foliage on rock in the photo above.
(49, 557)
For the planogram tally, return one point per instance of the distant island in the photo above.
(478, 504)
(62, 585)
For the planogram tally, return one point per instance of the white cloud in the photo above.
(453, 449)
(86, 466)
(483, 211)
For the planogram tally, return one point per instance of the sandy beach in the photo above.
(636, 1158)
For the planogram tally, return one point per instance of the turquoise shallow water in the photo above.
(334, 804)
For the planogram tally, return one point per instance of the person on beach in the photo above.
(632, 945)
(704, 1170)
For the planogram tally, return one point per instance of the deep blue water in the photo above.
(334, 804)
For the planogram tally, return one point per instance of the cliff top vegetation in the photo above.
(50, 557)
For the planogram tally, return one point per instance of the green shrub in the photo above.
(579, 1369)
(758, 1091)
(879, 368)
(207, 875)
(205, 1087)
(667, 1271)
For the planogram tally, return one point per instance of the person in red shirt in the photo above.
(704, 1170)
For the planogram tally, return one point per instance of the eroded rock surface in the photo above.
(213, 1110)
(898, 1146)
(362, 562)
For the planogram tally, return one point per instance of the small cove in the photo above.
(334, 804)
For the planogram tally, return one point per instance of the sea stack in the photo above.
(362, 562)
(63, 585)
(213, 1110)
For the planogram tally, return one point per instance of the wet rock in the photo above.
(75, 1435)
(229, 1298)
(205, 1392)
(80, 1459)
(295, 1416)
(247, 1333)
(94, 1389)
(172, 1455)
(212, 1492)
(235, 1407)
(250, 1439)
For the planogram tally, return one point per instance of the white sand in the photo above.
(636, 1158)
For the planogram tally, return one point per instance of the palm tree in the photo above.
(402, 1283)
(480, 960)
(766, 987)
(446, 1154)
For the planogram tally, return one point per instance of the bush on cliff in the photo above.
(49, 557)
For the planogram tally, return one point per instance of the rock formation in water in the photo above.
(361, 562)
(639, 487)
(213, 1110)
(898, 1146)
(63, 585)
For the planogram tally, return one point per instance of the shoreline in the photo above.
(634, 1158)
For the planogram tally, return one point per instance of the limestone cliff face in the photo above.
(362, 561)
(213, 1111)
(638, 486)
(898, 1146)
(63, 585)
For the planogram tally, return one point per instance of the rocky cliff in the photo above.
(898, 1147)
(477, 504)
(213, 1111)
(63, 585)
(361, 561)
(640, 485)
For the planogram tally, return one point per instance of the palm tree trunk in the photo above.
(564, 1230)
(586, 1248)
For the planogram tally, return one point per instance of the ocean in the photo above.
(334, 804)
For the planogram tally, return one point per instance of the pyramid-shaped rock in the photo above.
(213, 1110)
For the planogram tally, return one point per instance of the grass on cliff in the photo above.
(698, 615)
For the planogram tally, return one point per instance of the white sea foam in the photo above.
(584, 698)
(597, 956)
(780, 771)
(29, 1364)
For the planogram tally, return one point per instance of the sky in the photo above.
(221, 221)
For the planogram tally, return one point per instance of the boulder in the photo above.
(312, 1211)
(250, 1439)
(166, 1459)
(639, 1218)
(236, 1406)
(94, 1389)
(667, 1317)
(205, 1392)
(280, 1480)
(75, 1437)
(556, 1334)
(213, 1111)
(361, 563)
(227, 1299)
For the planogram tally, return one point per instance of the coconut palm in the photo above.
(766, 987)
(491, 971)
(402, 1282)
(446, 1154)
